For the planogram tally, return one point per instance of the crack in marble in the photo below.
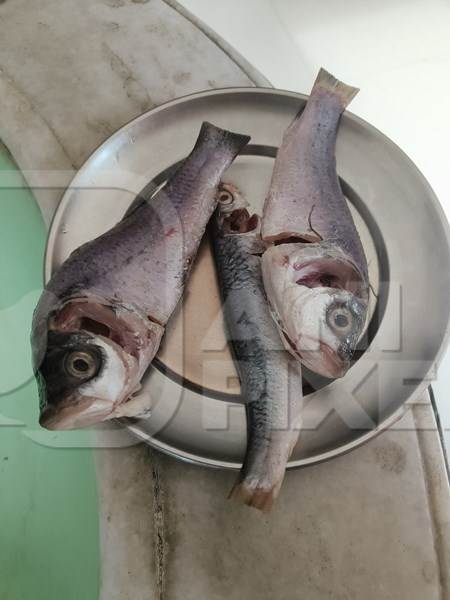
(161, 547)
(22, 94)
(134, 89)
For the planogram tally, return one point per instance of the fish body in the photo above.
(315, 273)
(100, 320)
(271, 381)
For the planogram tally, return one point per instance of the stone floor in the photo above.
(372, 524)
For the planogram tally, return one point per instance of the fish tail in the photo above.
(262, 474)
(211, 136)
(251, 494)
(326, 81)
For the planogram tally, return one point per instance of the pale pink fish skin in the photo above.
(305, 197)
(315, 274)
(144, 260)
(108, 304)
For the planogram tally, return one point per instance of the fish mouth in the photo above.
(335, 366)
(75, 414)
(323, 361)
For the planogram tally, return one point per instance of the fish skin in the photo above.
(305, 198)
(318, 247)
(271, 380)
(120, 289)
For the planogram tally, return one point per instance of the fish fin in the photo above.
(137, 407)
(260, 491)
(255, 493)
(327, 81)
(213, 136)
(261, 498)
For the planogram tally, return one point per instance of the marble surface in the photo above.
(71, 73)
(374, 523)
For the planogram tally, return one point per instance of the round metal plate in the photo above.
(197, 413)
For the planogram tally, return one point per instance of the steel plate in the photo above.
(197, 412)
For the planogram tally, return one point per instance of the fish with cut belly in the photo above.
(315, 272)
(271, 381)
(101, 317)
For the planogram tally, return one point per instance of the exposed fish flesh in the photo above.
(101, 318)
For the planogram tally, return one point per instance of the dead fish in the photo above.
(315, 274)
(100, 320)
(271, 381)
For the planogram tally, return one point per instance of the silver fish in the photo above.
(100, 320)
(271, 381)
(315, 274)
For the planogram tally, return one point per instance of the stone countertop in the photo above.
(374, 523)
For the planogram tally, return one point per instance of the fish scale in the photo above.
(119, 290)
(271, 381)
(315, 275)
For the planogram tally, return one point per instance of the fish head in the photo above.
(232, 216)
(319, 303)
(88, 360)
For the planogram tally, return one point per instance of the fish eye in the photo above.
(225, 197)
(340, 320)
(81, 364)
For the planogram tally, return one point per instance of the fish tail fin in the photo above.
(211, 136)
(254, 495)
(261, 476)
(327, 81)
